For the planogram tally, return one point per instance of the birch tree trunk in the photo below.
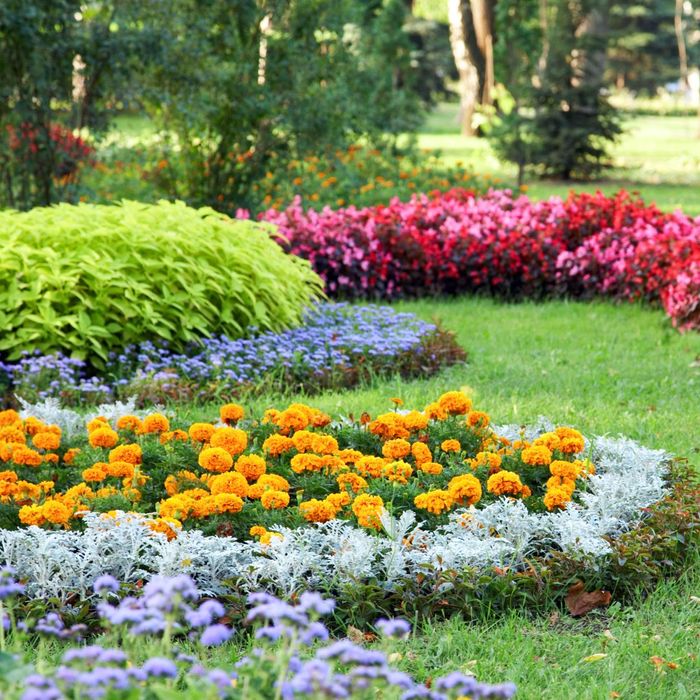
(466, 68)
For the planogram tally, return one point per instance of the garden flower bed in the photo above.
(337, 346)
(435, 502)
(511, 247)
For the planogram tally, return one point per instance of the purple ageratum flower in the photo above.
(158, 667)
(207, 612)
(278, 611)
(400, 629)
(106, 584)
(310, 601)
(316, 631)
(273, 632)
(349, 653)
(215, 635)
(9, 586)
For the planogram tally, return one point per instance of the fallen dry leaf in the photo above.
(355, 635)
(660, 664)
(579, 602)
(593, 658)
(615, 694)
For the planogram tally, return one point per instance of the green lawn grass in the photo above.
(658, 156)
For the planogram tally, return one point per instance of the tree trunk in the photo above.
(466, 68)
(482, 19)
(680, 40)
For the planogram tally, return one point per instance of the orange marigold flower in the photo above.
(121, 470)
(155, 423)
(70, 455)
(56, 512)
(97, 472)
(303, 440)
(46, 440)
(455, 403)
(98, 422)
(450, 446)
(201, 432)
(465, 489)
(370, 466)
(257, 531)
(25, 456)
(129, 422)
(388, 426)
(251, 466)
(170, 527)
(274, 482)
(292, 419)
(230, 482)
(215, 459)
(349, 456)
(566, 470)
(178, 507)
(170, 435)
(490, 459)
(276, 445)
(415, 420)
(274, 500)
(339, 500)
(324, 444)
(228, 503)
(421, 452)
(398, 471)
(231, 413)
(550, 440)
(563, 483)
(434, 411)
(367, 509)
(435, 502)
(233, 440)
(9, 417)
(396, 449)
(32, 425)
(126, 453)
(306, 463)
(352, 481)
(51, 458)
(316, 511)
(397, 401)
(536, 455)
(31, 515)
(255, 491)
(504, 483)
(556, 498)
(572, 441)
(433, 468)
(478, 419)
(103, 437)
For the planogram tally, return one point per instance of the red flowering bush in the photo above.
(457, 241)
(70, 150)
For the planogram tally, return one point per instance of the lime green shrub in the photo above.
(88, 279)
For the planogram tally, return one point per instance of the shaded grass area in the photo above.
(658, 156)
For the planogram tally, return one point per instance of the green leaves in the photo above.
(89, 279)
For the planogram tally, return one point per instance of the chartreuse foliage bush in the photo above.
(88, 279)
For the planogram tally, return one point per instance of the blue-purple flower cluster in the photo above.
(336, 345)
(292, 655)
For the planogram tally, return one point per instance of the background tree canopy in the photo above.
(241, 88)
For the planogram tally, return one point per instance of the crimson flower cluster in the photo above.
(510, 247)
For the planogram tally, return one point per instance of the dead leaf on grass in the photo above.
(579, 602)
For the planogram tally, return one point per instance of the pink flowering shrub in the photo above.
(511, 247)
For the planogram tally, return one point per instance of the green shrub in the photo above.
(88, 279)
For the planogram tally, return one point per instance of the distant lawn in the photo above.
(657, 156)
